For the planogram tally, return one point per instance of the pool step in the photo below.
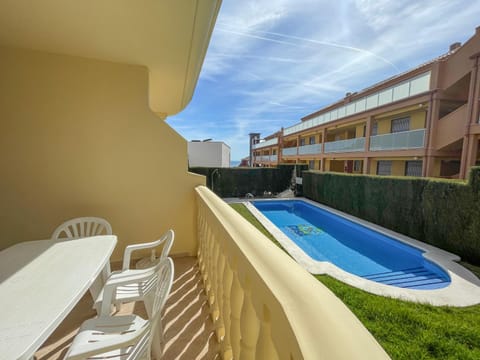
(412, 278)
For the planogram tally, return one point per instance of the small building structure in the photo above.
(208, 153)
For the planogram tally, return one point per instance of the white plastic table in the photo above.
(40, 283)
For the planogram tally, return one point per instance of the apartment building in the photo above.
(423, 122)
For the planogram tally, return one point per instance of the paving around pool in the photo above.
(364, 255)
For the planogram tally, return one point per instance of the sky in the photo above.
(272, 62)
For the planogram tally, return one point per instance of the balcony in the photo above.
(291, 151)
(266, 158)
(350, 145)
(188, 328)
(241, 298)
(266, 143)
(413, 139)
(310, 149)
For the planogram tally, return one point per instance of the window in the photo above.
(413, 168)
(311, 164)
(274, 152)
(384, 167)
(401, 124)
(302, 141)
(311, 140)
(374, 129)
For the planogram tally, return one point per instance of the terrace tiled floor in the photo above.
(186, 320)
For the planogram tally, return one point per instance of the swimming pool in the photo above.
(359, 250)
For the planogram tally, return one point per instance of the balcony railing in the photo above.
(357, 144)
(266, 143)
(289, 151)
(266, 158)
(310, 149)
(413, 139)
(263, 304)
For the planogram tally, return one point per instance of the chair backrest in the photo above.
(167, 239)
(163, 287)
(82, 227)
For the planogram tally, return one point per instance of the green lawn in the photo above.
(406, 330)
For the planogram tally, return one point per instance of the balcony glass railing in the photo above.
(263, 304)
(413, 139)
(310, 149)
(405, 89)
(266, 143)
(267, 158)
(289, 151)
(357, 144)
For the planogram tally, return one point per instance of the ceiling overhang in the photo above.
(169, 37)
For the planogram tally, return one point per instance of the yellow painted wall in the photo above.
(337, 165)
(398, 168)
(384, 126)
(437, 164)
(417, 121)
(359, 130)
(77, 138)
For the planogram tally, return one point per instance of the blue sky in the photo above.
(271, 62)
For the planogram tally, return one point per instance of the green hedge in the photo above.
(236, 182)
(440, 212)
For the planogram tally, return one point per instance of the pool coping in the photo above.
(464, 289)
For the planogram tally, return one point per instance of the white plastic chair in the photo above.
(124, 337)
(82, 227)
(134, 291)
(86, 227)
(166, 239)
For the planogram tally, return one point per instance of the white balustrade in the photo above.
(263, 305)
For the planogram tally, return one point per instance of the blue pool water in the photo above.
(352, 247)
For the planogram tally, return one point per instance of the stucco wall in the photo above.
(77, 139)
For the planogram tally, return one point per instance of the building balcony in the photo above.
(266, 143)
(310, 149)
(413, 139)
(349, 145)
(241, 298)
(266, 158)
(291, 151)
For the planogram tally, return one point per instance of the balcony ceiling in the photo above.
(169, 37)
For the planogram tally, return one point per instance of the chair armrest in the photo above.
(150, 245)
